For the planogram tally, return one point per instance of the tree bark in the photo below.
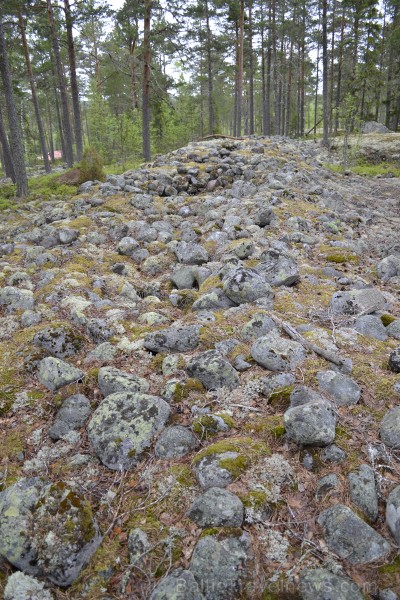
(325, 91)
(35, 101)
(146, 80)
(251, 71)
(211, 123)
(17, 150)
(240, 71)
(7, 158)
(74, 81)
(69, 155)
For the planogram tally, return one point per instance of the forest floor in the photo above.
(146, 273)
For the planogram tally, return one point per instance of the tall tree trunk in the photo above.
(289, 86)
(32, 83)
(74, 81)
(146, 80)
(132, 48)
(211, 117)
(251, 71)
(302, 72)
(15, 133)
(325, 91)
(332, 71)
(69, 155)
(59, 122)
(275, 61)
(339, 74)
(269, 76)
(7, 158)
(240, 71)
(263, 77)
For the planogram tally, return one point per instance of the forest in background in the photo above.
(158, 73)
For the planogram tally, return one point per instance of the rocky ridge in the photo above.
(199, 382)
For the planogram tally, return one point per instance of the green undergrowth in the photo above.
(366, 169)
(43, 187)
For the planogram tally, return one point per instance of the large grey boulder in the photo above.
(217, 508)
(389, 267)
(24, 587)
(343, 390)
(246, 285)
(219, 566)
(175, 441)
(393, 330)
(311, 424)
(47, 529)
(321, 584)
(374, 127)
(213, 470)
(61, 341)
(71, 416)
(178, 338)
(279, 269)
(113, 380)
(128, 246)
(390, 428)
(350, 537)
(54, 373)
(179, 585)
(393, 513)
(371, 326)
(124, 426)
(276, 353)
(363, 491)
(353, 302)
(214, 300)
(213, 370)
(16, 299)
(258, 326)
(183, 278)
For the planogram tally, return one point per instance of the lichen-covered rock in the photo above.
(276, 353)
(175, 442)
(350, 537)
(353, 302)
(318, 584)
(219, 566)
(279, 269)
(71, 416)
(217, 508)
(14, 298)
(47, 529)
(333, 454)
(178, 585)
(25, 587)
(326, 484)
(363, 491)
(60, 341)
(343, 390)
(246, 285)
(390, 428)
(190, 253)
(178, 338)
(183, 278)
(259, 325)
(124, 426)
(389, 267)
(394, 360)
(311, 424)
(138, 545)
(213, 371)
(393, 513)
(127, 246)
(393, 330)
(113, 380)
(54, 373)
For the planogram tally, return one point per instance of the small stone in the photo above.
(217, 508)
(326, 484)
(311, 424)
(333, 454)
(258, 326)
(321, 584)
(179, 585)
(212, 470)
(390, 428)
(213, 371)
(393, 330)
(175, 442)
(71, 416)
(60, 341)
(190, 253)
(302, 395)
(54, 373)
(279, 269)
(124, 426)
(219, 566)
(389, 267)
(113, 380)
(388, 594)
(394, 360)
(138, 546)
(16, 299)
(29, 318)
(350, 537)
(393, 513)
(343, 390)
(363, 491)
(127, 246)
(353, 302)
(178, 338)
(277, 353)
(183, 278)
(25, 587)
(246, 285)
(67, 235)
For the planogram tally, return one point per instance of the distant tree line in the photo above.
(158, 73)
